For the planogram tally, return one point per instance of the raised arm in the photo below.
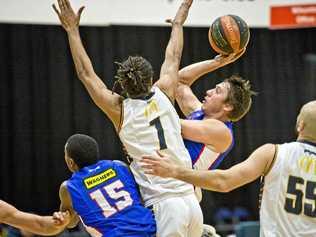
(170, 67)
(40, 225)
(245, 172)
(186, 100)
(108, 102)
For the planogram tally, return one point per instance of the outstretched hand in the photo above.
(68, 18)
(182, 13)
(159, 165)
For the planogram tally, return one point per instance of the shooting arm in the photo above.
(186, 100)
(170, 67)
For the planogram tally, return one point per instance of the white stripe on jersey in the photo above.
(288, 205)
(204, 161)
(147, 125)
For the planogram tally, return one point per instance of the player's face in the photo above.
(215, 99)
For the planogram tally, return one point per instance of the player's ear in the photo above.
(228, 107)
(300, 126)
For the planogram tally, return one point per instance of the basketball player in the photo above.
(145, 121)
(289, 193)
(41, 225)
(208, 129)
(102, 193)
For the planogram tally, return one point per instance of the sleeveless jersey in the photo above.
(106, 198)
(149, 125)
(288, 205)
(203, 157)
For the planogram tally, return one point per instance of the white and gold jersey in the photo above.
(149, 125)
(288, 205)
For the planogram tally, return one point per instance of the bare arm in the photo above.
(108, 102)
(186, 100)
(211, 132)
(40, 225)
(66, 205)
(170, 67)
(217, 180)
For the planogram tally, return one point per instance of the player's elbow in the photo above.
(222, 183)
(83, 75)
(223, 187)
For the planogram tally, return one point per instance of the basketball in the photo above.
(228, 34)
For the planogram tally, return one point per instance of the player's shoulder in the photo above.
(120, 163)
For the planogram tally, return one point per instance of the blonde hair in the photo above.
(239, 96)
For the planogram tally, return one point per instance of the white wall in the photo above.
(141, 12)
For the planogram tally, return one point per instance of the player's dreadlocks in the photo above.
(134, 75)
(239, 96)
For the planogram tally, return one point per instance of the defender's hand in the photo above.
(68, 18)
(159, 165)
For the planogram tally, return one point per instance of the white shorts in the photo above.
(179, 217)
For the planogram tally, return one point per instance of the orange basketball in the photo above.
(228, 34)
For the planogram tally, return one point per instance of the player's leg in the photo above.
(172, 217)
(195, 227)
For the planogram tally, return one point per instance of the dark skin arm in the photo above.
(108, 102)
(66, 205)
(170, 67)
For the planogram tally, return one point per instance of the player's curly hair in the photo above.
(239, 96)
(83, 149)
(134, 75)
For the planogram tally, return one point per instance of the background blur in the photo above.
(42, 102)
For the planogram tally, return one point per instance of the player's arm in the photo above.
(212, 132)
(66, 205)
(245, 172)
(186, 100)
(169, 70)
(40, 225)
(108, 102)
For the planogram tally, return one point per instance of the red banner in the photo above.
(293, 16)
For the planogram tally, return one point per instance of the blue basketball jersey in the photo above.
(105, 196)
(198, 151)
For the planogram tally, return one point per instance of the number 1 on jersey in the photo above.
(161, 136)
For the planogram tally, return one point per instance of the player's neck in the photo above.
(218, 116)
(306, 138)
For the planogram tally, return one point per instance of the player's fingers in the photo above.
(61, 5)
(169, 21)
(149, 157)
(80, 11)
(56, 10)
(66, 213)
(58, 216)
(149, 160)
(146, 167)
(67, 4)
(149, 172)
(160, 154)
